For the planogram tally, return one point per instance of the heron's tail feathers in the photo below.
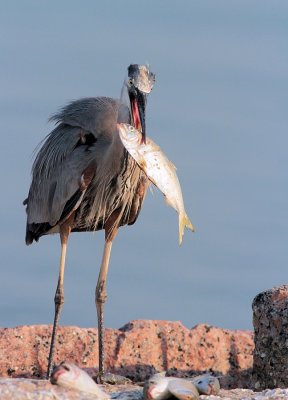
(184, 222)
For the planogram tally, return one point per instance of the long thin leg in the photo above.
(65, 230)
(100, 293)
(100, 298)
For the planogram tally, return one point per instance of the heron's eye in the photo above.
(66, 367)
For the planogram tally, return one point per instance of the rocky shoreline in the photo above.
(136, 351)
(20, 389)
(245, 363)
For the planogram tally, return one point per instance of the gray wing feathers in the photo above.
(58, 144)
(49, 193)
(59, 164)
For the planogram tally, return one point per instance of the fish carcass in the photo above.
(70, 376)
(159, 169)
(161, 387)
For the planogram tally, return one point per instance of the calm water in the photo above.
(219, 111)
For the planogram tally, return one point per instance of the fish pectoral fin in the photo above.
(184, 222)
(183, 390)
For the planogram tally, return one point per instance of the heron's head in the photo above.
(136, 87)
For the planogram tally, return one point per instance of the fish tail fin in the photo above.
(184, 222)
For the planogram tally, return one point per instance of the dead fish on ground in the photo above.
(159, 170)
(161, 387)
(206, 384)
(70, 376)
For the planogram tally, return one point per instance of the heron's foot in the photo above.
(111, 379)
(49, 372)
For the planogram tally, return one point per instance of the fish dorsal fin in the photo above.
(183, 390)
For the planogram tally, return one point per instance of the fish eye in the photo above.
(65, 367)
(130, 81)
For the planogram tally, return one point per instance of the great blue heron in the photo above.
(84, 180)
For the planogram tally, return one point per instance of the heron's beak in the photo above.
(138, 107)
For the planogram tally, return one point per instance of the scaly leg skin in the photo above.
(65, 230)
(100, 298)
(58, 300)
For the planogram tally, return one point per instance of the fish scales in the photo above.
(159, 169)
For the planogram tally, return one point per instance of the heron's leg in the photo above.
(100, 293)
(100, 298)
(65, 230)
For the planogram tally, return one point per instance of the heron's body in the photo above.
(83, 179)
(83, 168)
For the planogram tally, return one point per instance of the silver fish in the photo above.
(159, 170)
(70, 376)
(161, 387)
(206, 384)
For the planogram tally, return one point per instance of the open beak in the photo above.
(138, 106)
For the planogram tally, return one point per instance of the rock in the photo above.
(32, 389)
(270, 319)
(20, 389)
(136, 350)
